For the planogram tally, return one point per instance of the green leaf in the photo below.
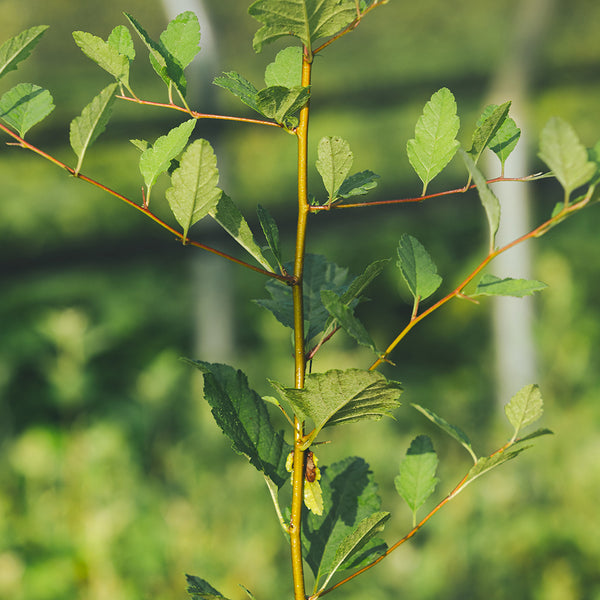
(24, 106)
(350, 498)
(157, 158)
(360, 283)
(337, 397)
(344, 316)
(86, 128)
(490, 203)
(19, 47)
(455, 432)
(240, 87)
(490, 285)
(524, 408)
(105, 55)
(307, 20)
(534, 434)
(435, 142)
(358, 184)
(120, 40)
(271, 231)
(594, 156)
(417, 479)
(334, 163)
(200, 589)
(142, 145)
(286, 69)
(228, 215)
(417, 268)
(487, 463)
(281, 104)
(181, 38)
(487, 128)
(566, 156)
(194, 192)
(506, 137)
(243, 417)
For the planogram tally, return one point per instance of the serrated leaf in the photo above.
(337, 397)
(181, 38)
(307, 20)
(566, 156)
(360, 283)
(271, 231)
(157, 158)
(228, 215)
(120, 40)
(349, 498)
(24, 106)
(200, 589)
(506, 137)
(435, 142)
(240, 87)
(490, 202)
(417, 479)
(524, 408)
(333, 163)
(286, 69)
(455, 432)
(19, 47)
(487, 128)
(281, 103)
(490, 285)
(358, 184)
(242, 416)
(105, 55)
(417, 268)
(86, 128)
(346, 319)
(194, 193)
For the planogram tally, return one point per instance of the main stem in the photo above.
(299, 349)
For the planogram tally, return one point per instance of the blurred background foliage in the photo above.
(114, 481)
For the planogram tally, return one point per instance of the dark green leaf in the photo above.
(506, 137)
(24, 106)
(242, 416)
(360, 283)
(286, 70)
(333, 163)
(200, 589)
(239, 87)
(358, 184)
(281, 104)
(271, 231)
(524, 408)
(417, 268)
(105, 55)
(490, 285)
(487, 128)
(19, 47)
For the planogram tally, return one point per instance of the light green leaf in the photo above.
(307, 20)
(105, 55)
(534, 434)
(181, 38)
(157, 158)
(344, 316)
(487, 463)
(358, 184)
(239, 87)
(506, 137)
(200, 589)
(281, 104)
(566, 156)
(194, 193)
(594, 156)
(417, 268)
(334, 163)
(487, 128)
(350, 498)
(19, 47)
(337, 397)
(271, 231)
(24, 106)
(435, 142)
(524, 408)
(417, 479)
(142, 145)
(243, 417)
(286, 70)
(228, 215)
(490, 285)
(490, 202)
(120, 40)
(455, 432)
(86, 128)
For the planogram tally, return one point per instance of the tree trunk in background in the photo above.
(513, 317)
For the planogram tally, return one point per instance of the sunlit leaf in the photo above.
(19, 47)
(120, 40)
(333, 163)
(524, 408)
(487, 128)
(417, 268)
(435, 142)
(490, 285)
(24, 106)
(200, 589)
(181, 38)
(86, 128)
(487, 463)
(286, 69)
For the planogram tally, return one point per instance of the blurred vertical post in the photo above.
(213, 316)
(513, 317)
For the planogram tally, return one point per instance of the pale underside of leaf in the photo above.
(490, 285)
(524, 408)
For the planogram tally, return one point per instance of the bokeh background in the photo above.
(114, 481)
